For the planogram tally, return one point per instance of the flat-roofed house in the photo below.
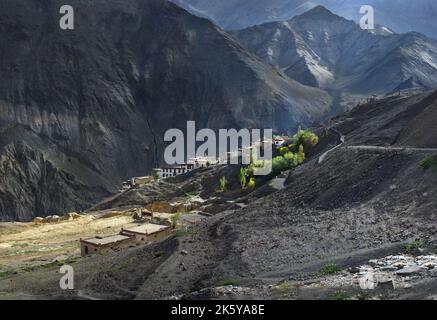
(101, 244)
(147, 233)
(141, 181)
(173, 171)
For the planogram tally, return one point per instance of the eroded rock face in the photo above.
(84, 109)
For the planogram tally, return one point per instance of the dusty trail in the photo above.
(391, 148)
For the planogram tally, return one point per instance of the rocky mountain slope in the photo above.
(322, 49)
(83, 109)
(399, 15)
(369, 199)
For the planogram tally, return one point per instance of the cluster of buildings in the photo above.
(203, 162)
(136, 182)
(173, 171)
(192, 164)
(128, 237)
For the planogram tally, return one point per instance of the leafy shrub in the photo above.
(430, 162)
(158, 254)
(283, 150)
(243, 177)
(175, 219)
(223, 184)
(279, 164)
(251, 184)
(330, 269)
(416, 245)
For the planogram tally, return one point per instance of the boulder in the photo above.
(410, 270)
(137, 215)
(48, 219)
(38, 220)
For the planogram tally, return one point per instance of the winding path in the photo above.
(364, 147)
(342, 141)
(391, 148)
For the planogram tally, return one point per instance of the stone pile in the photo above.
(395, 271)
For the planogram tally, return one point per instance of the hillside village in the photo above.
(149, 231)
(143, 225)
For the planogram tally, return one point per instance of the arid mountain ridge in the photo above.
(84, 109)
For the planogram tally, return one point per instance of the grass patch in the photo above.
(339, 295)
(416, 245)
(21, 245)
(284, 287)
(180, 234)
(227, 282)
(158, 254)
(6, 273)
(50, 265)
(329, 269)
(429, 163)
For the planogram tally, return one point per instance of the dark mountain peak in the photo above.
(320, 12)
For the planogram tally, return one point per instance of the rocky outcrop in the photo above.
(82, 110)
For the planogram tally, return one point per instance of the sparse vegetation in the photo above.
(429, 163)
(416, 245)
(50, 265)
(223, 184)
(180, 234)
(284, 287)
(243, 177)
(339, 295)
(21, 245)
(329, 269)
(158, 254)
(227, 282)
(6, 273)
(175, 219)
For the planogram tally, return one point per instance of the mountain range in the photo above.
(82, 110)
(320, 48)
(399, 15)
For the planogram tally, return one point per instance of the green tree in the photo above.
(251, 184)
(283, 150)
(306, 138)
(223, 184)
(243, 177)
(279, 164)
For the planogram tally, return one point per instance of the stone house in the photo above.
(105, 244)
(147, 233)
